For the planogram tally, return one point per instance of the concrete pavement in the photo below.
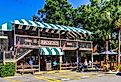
(64, 76)
(3, 80)
(99, 79)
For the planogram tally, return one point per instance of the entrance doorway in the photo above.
(48, 62)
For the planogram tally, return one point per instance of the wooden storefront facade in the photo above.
(27, 40)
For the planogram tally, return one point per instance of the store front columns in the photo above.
(92, 59)
(60, 62)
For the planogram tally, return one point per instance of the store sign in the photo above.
(84, 45)
(49, 42)
(70, 44)
(31, 40)
(28, 40)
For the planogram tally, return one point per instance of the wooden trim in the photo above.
(70, 48)
(29, 46)
(3, 37)
(49, 38)
(85, 49)
(56, 39)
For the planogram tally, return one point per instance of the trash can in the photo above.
(48, 66)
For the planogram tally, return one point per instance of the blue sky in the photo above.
(18, 9)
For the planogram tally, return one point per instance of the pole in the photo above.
(92, 58)
(15, 50)
(119, 49)
(60, 55)
(77, 55)
(39, 62)
(4, 57)
(60, 62)
(39, 51)
(92, 53)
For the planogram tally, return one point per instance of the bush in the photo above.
(7, 69)
(118, 68)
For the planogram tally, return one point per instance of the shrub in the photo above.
(7, 69)
(118, 68)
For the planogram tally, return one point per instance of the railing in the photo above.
(1, 57)
(8, 54)
(20, 53)
(27, 43)
(3, 44)
(14, 56)
(36, 42)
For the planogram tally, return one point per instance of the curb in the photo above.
(51, 72)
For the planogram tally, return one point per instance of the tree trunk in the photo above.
(106, 45)
(107, 50)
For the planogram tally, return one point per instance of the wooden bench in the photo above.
(26, 68)
(66, 68)
(22, 71)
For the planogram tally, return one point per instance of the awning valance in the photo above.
(6, 27)
(42, 25)
(51, 51)
(50, 26)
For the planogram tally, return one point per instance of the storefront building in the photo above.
(43, 43)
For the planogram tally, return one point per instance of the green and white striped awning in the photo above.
(46, 27)
(50, 26)
(6, 27)
(51, 51)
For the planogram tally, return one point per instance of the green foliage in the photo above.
(102, 17)
(57, 12)
(118, 68)
(7, 69)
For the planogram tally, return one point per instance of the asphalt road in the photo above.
(99, 79)
(64, 77)
(3, 80)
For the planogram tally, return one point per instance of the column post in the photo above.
(15, 50)
(119, 49)
(60, 55)
(4, 57)
(39, 47)
(39, 62)
(77, 55)
(92, 54)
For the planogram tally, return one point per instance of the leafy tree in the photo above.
(100, 16)
(57, 12)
